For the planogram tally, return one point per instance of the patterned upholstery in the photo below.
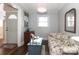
(58, 42)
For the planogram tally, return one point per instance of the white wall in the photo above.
(43, 31)
(20, 27)
(54, 22)
(61, 17)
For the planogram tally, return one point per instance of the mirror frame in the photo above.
(74, 28)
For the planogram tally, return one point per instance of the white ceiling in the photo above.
(32, 7)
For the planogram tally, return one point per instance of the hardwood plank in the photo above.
(20, 50)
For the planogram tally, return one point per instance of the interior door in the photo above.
(11, 27)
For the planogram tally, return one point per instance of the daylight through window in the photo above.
(43, 21)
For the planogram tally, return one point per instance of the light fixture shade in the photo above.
(42, 10)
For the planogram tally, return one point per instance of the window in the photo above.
(43, 21)
(13, 17)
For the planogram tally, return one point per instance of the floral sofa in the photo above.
(60, 42)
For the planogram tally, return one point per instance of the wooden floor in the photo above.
(19, 50)
(1, 42)
(3, 51)
(23, 49)
(7, 49)
(46, 48)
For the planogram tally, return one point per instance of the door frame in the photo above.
(4, 28)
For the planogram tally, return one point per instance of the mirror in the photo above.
(70, 21)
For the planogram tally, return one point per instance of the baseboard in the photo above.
(21, 44)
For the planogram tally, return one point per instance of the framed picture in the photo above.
(70, 21)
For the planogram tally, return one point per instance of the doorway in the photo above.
(8, 25)
(1, 32)
(2, 14)
(11, 27)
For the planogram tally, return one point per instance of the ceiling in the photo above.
(32, 7)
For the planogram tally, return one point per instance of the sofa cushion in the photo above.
(70, 49)
(59, 42)
(59, 35)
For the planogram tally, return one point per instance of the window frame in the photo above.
(42, 21)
